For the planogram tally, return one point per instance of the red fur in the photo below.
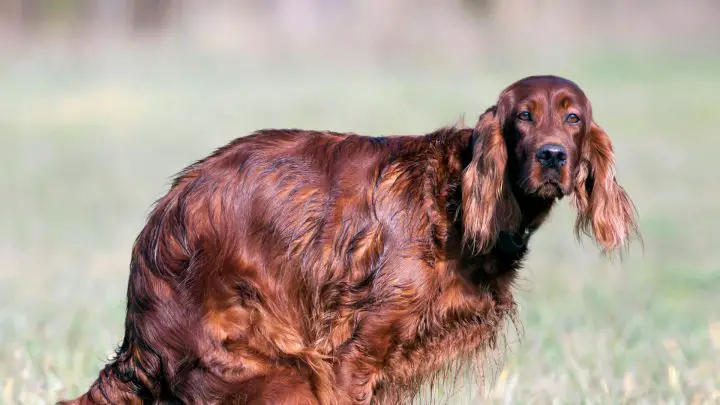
(307, 267)
(604, 208)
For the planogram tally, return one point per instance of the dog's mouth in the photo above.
(550, 189)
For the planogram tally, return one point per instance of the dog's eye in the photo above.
(572, 119)
(525, 116)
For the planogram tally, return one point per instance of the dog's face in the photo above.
(543, 126)
(540, 140)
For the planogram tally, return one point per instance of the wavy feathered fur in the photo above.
(307, 267)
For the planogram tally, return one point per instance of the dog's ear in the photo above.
(488, 205)
(605, 210)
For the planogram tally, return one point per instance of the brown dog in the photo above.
(304, 267)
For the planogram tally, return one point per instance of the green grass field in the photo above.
(85, 149)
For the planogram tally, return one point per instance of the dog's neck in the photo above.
(534, 211)
(514, 242)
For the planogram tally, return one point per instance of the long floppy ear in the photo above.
(488, 204)
(605, 211)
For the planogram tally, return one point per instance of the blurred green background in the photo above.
(102, 101)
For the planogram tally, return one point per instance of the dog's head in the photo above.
(540, 142)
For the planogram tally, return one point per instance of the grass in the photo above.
(85, 148)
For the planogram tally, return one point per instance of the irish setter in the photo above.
(307, 267)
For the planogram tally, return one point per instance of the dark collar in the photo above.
(514, 242)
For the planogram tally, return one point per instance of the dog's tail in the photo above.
(132, 377)
(109, 388)
(136, 373)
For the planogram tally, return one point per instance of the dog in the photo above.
(315, 267)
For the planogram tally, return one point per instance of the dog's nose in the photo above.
(551, 155)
